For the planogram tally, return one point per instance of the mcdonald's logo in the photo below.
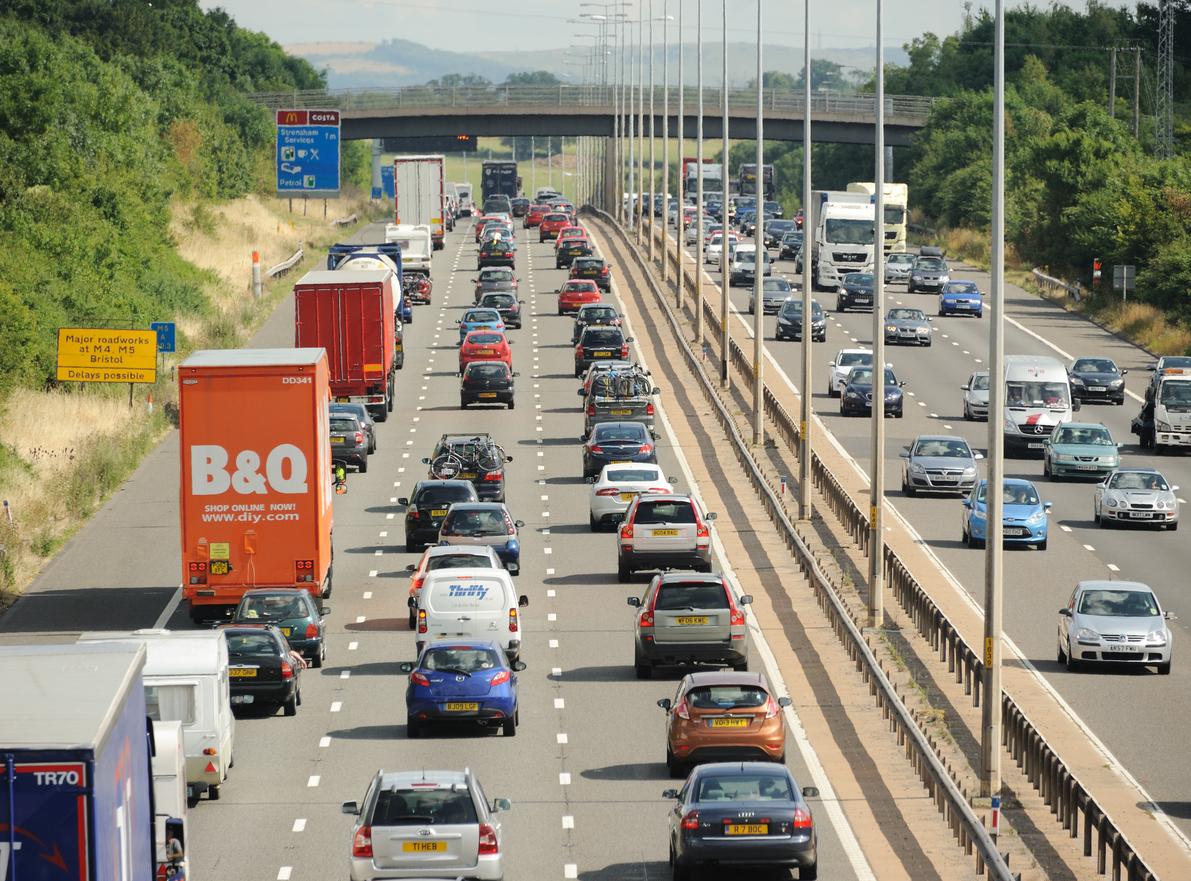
(292, 117)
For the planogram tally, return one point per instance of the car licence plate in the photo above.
(1014, 531)
(627, 497)
(241, 672)
(487, 394)
(663, 533)
(1035, 446)
(462, 707)
(1140, 515)
(439, 512)
(338, 440)
(1123, 650)
(424, 846)
(286, 631)
(746, 828)
(729, 723)
(689, 620)
(1097, 388)
(1086, 467)
(486, 351)
(601, 354)
(467, 475)
(621, 412)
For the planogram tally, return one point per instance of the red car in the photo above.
(536, 212)
(576, 293)
(799, 218)
(552, 224)
(572, 231)
(485, 345)
(479, 225)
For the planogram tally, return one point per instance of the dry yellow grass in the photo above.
(1146, 326)
(48, 429)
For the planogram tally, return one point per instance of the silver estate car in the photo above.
(426, 824)
(1114, 621)
(938, 464)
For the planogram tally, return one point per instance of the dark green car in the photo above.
(294, 612)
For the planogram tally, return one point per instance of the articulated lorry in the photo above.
(256, 474)
(76, 782)
(419, 184)
(747, 183)
(896, 210)
(352, 315)
(499, 177)
(713, 175)
(843, 226)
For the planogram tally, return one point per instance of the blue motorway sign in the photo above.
(386, 181)
(165, 335)
(308, 152)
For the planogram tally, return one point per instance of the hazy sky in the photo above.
(476, 25)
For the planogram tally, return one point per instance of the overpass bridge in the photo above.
(571, 110)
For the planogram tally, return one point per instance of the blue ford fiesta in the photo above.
(1023, 517)
(462, 681)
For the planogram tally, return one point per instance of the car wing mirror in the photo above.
(745, 599)
(1124, 371)
(664, 703)
(635, 602)
(967, 503)
(325, 611)
(1046, 506)
(581, 393)
(977, 456)
(963, 388)
(404, 501)
(425, 460)
(516, 373)
(810, 792)
(501, 804)
(901, 384)
(508, 458)
(519, 523)
(590, 479)
(1174, 489)
(669, 793)
(350, 807)
(411, 567)
(407, 666)
(656, 390)
(522, 601)
(784, 702)
(674, 480)
(1065, 612)
(905, 453)
(1170, 616)
(710, 516)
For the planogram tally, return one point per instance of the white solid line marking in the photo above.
(554, 643)
(324, 742)
(352, 646)
(336, 706)
(564, 779)
(283, 874)
(299, 825)
(570, 870)
(568, 822)
(313, 781)
(1113, 567)
(379, 552)
(1088, 548)
(560, 703)
(561, 737)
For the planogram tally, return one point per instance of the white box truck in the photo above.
(419, 186)
(896, 211)
(843, 227)
(463, 193)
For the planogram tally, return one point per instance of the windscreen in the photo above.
(484, 339)
(1138, 480)
(1037, 394)
(777, 284)
(1093, 365)
(744, 787)
(1083, 435)
(906, 315)
(1118, 603)
(633, 475)
(726, 697)
(487, 370)
(460, 659)
(859, 279)
(942, 448)
(851, 359)
(1175, 395)
(259, 645)
(474, 523)
(612, 431)
(459, 561)
(677, 596)
(621, 385)
(602, 336)
(497, 300)
(841, 231)
(679, 511)
(423, 807)
(474, 316)
(598, 315)
(931, 264)
(433, 495)
(271, 608)
(979, 382)
(342, 426)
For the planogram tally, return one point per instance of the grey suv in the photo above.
(420, 824)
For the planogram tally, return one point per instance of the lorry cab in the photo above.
(186, 681)
(843, 237)
(1172, 410)
(1037, 398)
(471, 604)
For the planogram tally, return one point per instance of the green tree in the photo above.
(532, 78)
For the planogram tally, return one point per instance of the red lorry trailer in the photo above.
(256, 474)
(350, 313)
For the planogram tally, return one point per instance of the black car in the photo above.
(857, 396)
(474, 457)
(496, 252)
(750, 814)
(261, 671)
(773, 208)
(775, 231)
(427, 507)
(349, 441)
(495, 278)
(498, 203)
(592, 314)
(789, 321)
(1097, 379)
(791, 245)
(294, 612)
(617, 442)
(486, 382)
(362, 415)
(569, 251)
(598, 342)
(855, 292)
(520, 206)
(596, 269)
(507, 304)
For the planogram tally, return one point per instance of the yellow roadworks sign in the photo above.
(103, 354)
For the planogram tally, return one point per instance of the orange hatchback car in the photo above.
(723, 716)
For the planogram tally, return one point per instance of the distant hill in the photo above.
(403, 63)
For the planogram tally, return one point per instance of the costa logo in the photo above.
(285, 471)
(324, 117)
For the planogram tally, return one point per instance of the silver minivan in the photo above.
(426, 824)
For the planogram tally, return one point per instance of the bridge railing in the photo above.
(908, 108)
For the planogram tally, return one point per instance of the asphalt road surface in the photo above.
(585, 772)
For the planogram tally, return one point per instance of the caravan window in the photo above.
(170, 703)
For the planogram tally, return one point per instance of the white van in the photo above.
(417, 244)
(186, 681)
(169, 787)
(1037, 398)
(471, 604)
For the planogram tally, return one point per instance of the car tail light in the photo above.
(417, 678)
(802, 818)
(359, 437)
(422, 626)
(591, 409)
(510, 527)
(604, 271)
(494, 475)
(771, 707)
(311, 631)
(500, 678)
(737, 617)
(362, 843)
(659, 491)
(488, 842)
(624, 351)
(597, 449)
(682, 711)
(608, 491)
(646, 449)
(304, 570)
(626, 530)
(210, 751)
(579, 351)
(649, 409)
(513, 627)
(701, 531)
(287, 670)
(690, 821)
(412, 514)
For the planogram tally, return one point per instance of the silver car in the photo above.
(940, 464)
(1136, 495)
(1116, 622)
(928, 274)
(420, 824)
(774, 292)
(976, 396)
(909, 326)
(897, 268)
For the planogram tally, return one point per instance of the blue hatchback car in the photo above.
(1023, 515)
(479, 319)
(961, 298)
(462, 681)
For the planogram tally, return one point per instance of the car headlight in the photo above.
(1063, 457)
(1088, 634)
(852, 393)
(1010, 426)
(890, 328)
(1075, 380)
(1036, 517)
(893, 395)
(1112, 503)
(943, 279)
(1116, 383)
(916, 277)
(915, 468)
(1157, 637)
(1162, 426)
(970, 471)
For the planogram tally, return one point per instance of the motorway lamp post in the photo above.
(876, 551)
(990, 706)
(699, 180)
(804, 432)
(640, 129)
(631, 128)
(758, 266)
(725, 336)
(678, 224)
(665, 129)
(652, 156)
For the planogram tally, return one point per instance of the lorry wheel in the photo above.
(392, 391)
(290, 707)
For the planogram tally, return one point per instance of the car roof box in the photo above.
(930, 251)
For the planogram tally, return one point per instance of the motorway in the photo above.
(1135, 713)
(585, 772)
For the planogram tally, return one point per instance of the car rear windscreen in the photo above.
(676, 596)
(459, 561)
(665, 512)
(434, 494)
(424, 807)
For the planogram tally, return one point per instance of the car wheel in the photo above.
(511, 404)
(363, 469)
(808, 872)
(742, 667)
(1171, 527)
(413, 619)
(213, 792)
(413, 730)
(508, 728)
(623, 572)
(839, 306)
(974, 542)
(907, 489)
(1042, 545)
(411, 547)
(1046, 469)
(463, 403)
(967, 413)
(593, 523)
(290, 707)
(319, 656)
(1060, 655)
(1164, 669)
(981, 315)
(674, 767)
(1073, 666)
(1096, 518)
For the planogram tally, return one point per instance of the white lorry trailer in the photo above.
(896, 213)
(419, 184)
